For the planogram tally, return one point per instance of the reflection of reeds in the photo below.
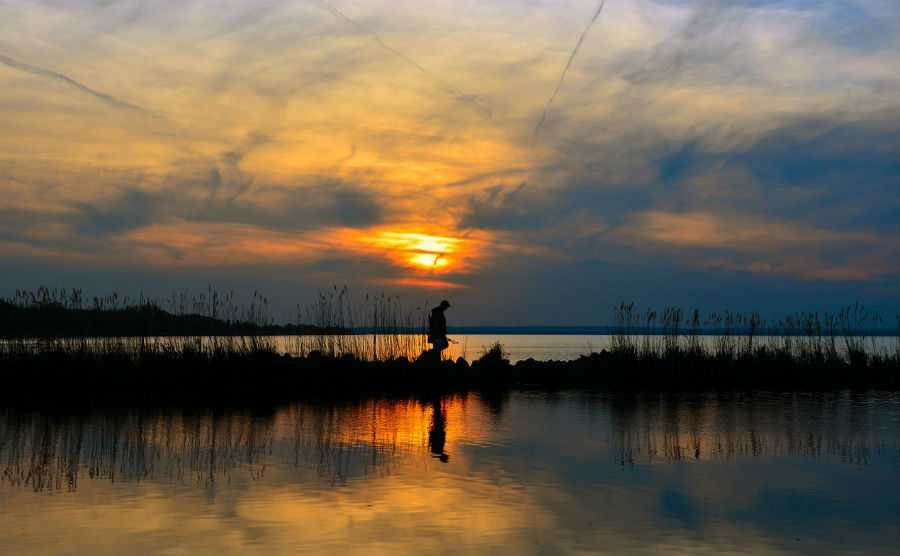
(665, 428)
(51, 453)
(339, 440)
(202, 447)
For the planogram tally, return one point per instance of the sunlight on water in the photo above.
(525, 473)
(517, 347)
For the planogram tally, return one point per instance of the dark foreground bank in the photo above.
(244, 377)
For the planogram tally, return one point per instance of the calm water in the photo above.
(525, 473)
(517, 346)
(571, 346)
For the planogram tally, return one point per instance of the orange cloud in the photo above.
(423, 283)
(200, 244)
(420, 253)
(764, 246)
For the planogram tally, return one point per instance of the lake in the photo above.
(512, 473)
(564, 347)
(517, 347)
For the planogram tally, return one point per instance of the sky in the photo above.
(701, 153)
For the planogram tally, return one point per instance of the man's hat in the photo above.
(445, 304)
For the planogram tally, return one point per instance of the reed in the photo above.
(624, 318)
(822, 339)
(897, 339)
(380, 328)
(209, 325)
(372, 345)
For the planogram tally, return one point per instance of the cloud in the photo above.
(502, 208)
(707, 38)
(796, 200)
(282, 209)
(302, 208)
(731, 231)
(133, 209)
(767, 125)
(845, 165)
(738, 242)
(50, 74)
(221, 191)
(569, 61)
(214, 215)
(453, 91)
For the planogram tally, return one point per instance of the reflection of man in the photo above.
(437, 328)
(437, 434)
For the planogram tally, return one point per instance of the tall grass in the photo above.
(212, 325)
(370, 343)
(811, 337)
(378, 329)
(897, 340)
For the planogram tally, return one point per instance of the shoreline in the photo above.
(199, 378)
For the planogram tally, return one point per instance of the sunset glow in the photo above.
(430, 260)
(420, 251)
(438, 277)
(293, 146)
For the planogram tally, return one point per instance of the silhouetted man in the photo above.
(437, 328)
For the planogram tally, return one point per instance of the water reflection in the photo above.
(437, 433)
(849, 427)
(525, 472)
(52, 452)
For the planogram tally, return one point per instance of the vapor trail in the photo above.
(42, 72)
(447, 87)
(569, 65)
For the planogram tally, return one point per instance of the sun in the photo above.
(418, 250)
(429, 260)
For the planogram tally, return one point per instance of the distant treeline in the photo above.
(148, 320)
(609, 330)
(47, 313)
